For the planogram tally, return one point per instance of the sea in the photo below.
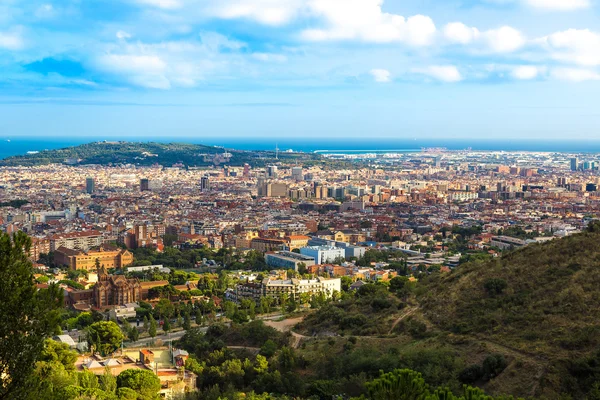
(20, 145)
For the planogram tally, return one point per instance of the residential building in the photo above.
(266, 244)
(293, 288)
(76, 240)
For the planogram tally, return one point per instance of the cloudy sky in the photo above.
(498, 69)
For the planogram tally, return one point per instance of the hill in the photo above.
(166, 154)
(540, 304)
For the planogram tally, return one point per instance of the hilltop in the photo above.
(531, 317)
(539, 304)
(149, 153)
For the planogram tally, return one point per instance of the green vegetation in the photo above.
(370, 312)
(149, 153)
(540, 303)
(104, 337)
(14, 203)
(55, 378)
(27, 317)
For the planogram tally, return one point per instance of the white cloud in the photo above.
(381, 75)
(170, 64)
(560, 5)
(269, 12)
(166, 4)
(446, 73)
(575, 74)
(526, 72)
(504, 40)
(578, 46)
(123, 35)
(11, 40)
(269, 57)
(365, 20)
(457, 32)
(142, 70)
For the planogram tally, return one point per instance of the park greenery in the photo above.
(523, 325)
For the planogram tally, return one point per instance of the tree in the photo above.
(142, 381)
(28, 316)
(152, 327)
(268, 348)
(59, 352)
(146, 322)
(166, 325)
(493, 365)
(346, 283)
(399, 384)
(133, 334)
(302, 270)
(187, 323)
(164, 308)
(107, 381)
(105, 336)
(495, 286)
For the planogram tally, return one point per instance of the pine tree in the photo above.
(28, 316)
(152, 328)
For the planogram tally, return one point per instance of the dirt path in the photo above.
(296, 339)
(284, 326)
(540, 362)
(408, 312)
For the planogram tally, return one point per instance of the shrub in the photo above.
(493, 366)
(495, 286)
(471, 374)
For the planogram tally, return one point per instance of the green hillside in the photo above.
(541, 304)
(149, 153)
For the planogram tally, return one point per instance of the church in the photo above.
(112, 290)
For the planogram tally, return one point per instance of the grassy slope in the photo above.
(548, 315)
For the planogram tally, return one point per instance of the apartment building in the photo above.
(76, 240)
(266, 244)
(293, 288)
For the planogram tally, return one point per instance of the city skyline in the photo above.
(497, 69)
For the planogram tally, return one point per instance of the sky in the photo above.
(343, 69)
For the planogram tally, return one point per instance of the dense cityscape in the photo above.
(149, 257)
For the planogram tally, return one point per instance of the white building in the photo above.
(323, 254)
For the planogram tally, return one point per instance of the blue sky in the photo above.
(484, 69)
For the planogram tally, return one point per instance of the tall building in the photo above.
(144, 185)
(272, 171)
(574, 164)
(89, 185)
(297, 173)
(205, 183)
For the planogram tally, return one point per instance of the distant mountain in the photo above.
(539, 305)
(105, 153)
